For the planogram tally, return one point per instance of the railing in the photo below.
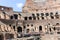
(23, 38)
(28, 35)
(26, 38)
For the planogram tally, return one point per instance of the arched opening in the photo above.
(40, 28)
(51, 13)
(24, 27)
(27, 25)
(57, 23)
(15, 16)
(30, 18)
(27, 31)
(31, 25)
(57, 15)
(50, 29)
(11, 17)
(42, 18)
(33, 15)
(42, 14)
(14, 27)
(34, 18)
(37, 14)
(47, 14)
(54, 28)
(25, 18)
(52, 17)
(19, 29)
(10, 25)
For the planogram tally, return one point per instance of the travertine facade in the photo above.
(39, 20)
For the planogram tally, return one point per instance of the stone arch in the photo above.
(19, 29)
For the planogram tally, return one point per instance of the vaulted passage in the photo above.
(19, 29)
(40, 28)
